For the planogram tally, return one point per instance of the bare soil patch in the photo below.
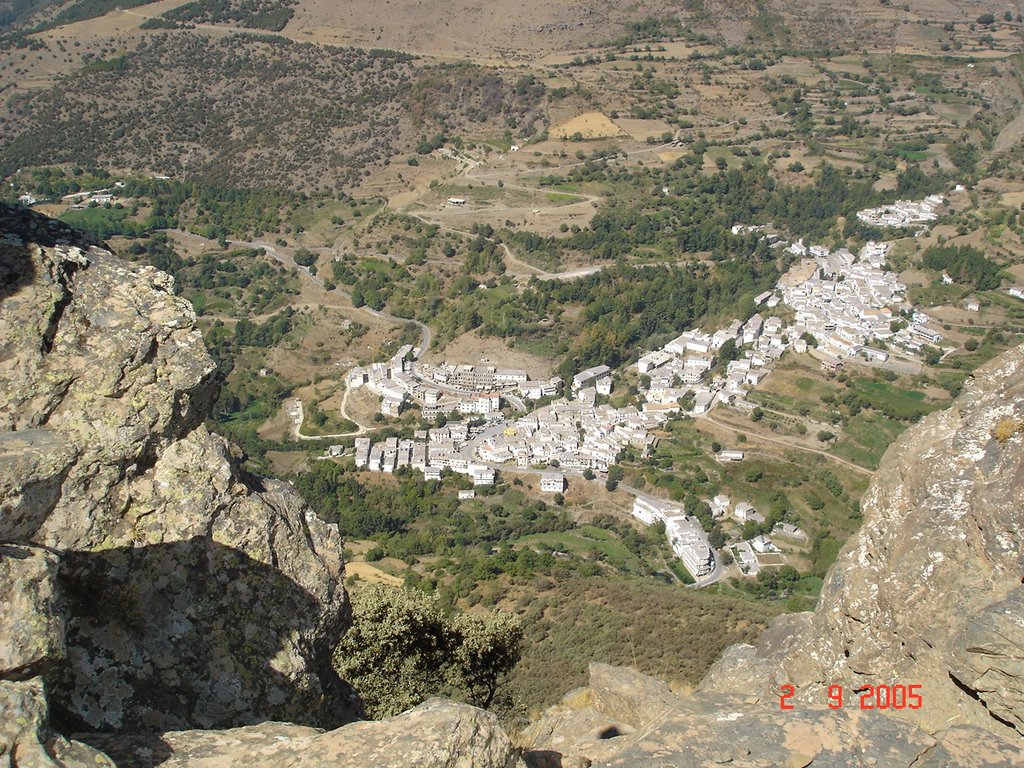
(642, 129)
(470, 348)
(371, 573)
(287, 462)
(590, 125)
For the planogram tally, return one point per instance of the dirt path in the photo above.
(345, 414)
(300, 415)
(471, 173)
(789, 444)
(272, 250)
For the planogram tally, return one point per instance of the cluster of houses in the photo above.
(433, 450)
(903, 213)
(79, 199)
(568, 434)
(754, 554)
(845, 303)
(685, 533)
(686, 366)
(760, 551)
(97, 196)
(722, 506)
(848, 301)
(445, 389)
(571, 434)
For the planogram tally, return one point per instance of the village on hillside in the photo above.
(842, 305)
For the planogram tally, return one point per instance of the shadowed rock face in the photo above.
(156, 585)
(185, 634)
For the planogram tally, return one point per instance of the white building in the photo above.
(744, 511)
(362, 446)
(652, 360)
(647, 510)
(690, 544)
(719, 505)
(552, 482)
(483, 404)
(789, 530)
(482, 475)
(763, 544)
(590, 377)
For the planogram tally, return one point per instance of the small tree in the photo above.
(403, 647)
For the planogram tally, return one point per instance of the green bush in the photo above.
(403, 648)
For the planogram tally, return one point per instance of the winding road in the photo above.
(297, 414)
(272, 250)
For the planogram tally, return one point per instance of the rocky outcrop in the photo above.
(148, 582)
(436, 734)
(708, 729)
(928, 593)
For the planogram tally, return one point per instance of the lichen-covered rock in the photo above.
(928, 591)
(31, 619)
(436, 734)
(989, 658)
(26, 740)
(711, 728)
(196, 594)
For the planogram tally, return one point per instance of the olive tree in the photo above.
(403, 647)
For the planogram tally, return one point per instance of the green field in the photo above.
(98, 219)
(894, 401)
(866, 437)
(936, 294)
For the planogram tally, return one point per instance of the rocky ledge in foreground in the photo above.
(146, 581)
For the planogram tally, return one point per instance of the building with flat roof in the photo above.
(590, 377)
(690, 545)
(552, 482)
(730, 455)
(647, 510)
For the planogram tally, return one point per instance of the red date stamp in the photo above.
(864, 697)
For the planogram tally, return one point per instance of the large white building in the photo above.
(648, 510)
(690, 545)
(483, 404)
(552, 482)
(591, 377)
